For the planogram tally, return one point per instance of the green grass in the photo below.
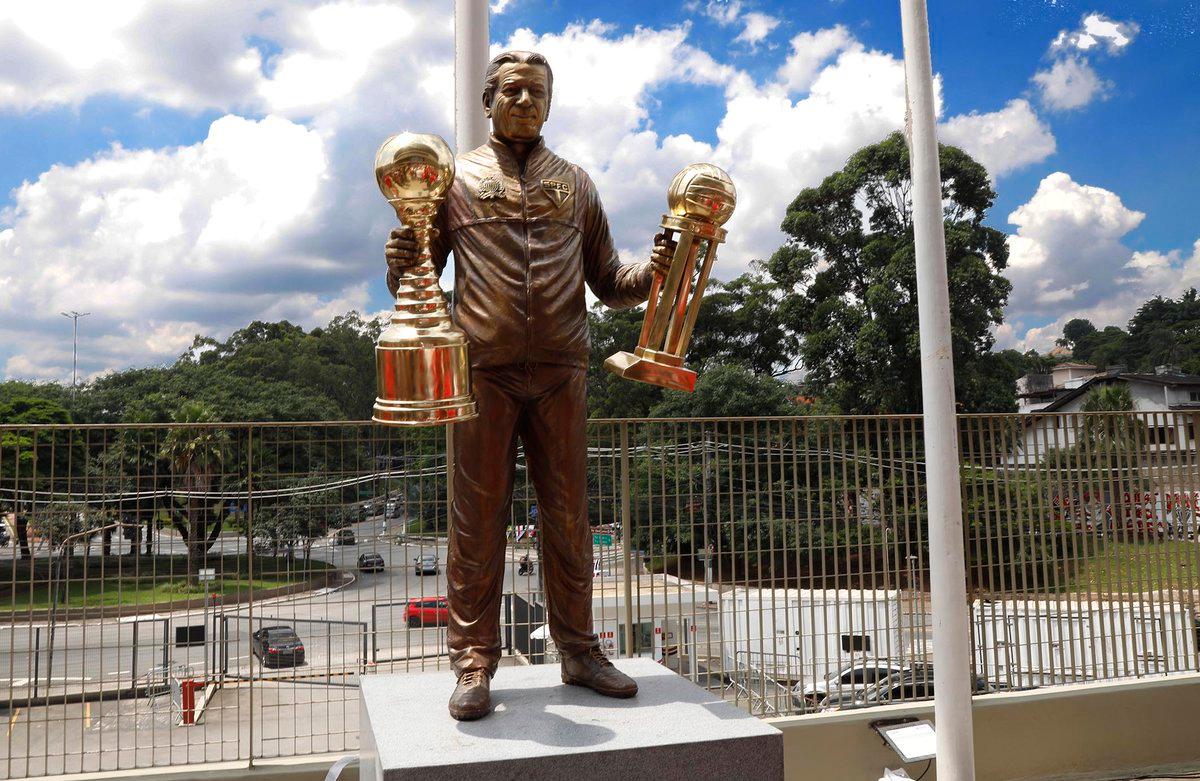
(1131, 567)
(156, 580)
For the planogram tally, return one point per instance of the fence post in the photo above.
(250, 587)
(626, 537)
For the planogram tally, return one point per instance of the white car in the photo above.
(850, 678)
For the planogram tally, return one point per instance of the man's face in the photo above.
(520, 103)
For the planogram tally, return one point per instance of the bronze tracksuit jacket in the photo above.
(525, 242)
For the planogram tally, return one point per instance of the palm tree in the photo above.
(1112, 440)
(195, 454)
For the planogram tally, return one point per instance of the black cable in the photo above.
(928, 765)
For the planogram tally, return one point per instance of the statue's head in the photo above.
(516, 95)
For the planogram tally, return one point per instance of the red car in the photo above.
(430, 611)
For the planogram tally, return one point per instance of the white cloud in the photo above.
(190, 56)
(157, 244)
(757, 27)
(195, 56)
(1003, 140)
(1096, 31)
(1068, 259)
(809, 52)
(1069, 83)
(723, 12)
(279, 217)
(499, 6)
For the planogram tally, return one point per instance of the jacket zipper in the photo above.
(528, 277)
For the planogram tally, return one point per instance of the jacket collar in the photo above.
(508, 160)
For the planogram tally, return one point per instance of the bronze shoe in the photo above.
(472, 698)
(593, 670)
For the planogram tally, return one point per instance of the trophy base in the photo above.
(422, 381)
(644, 369)
(424, 413)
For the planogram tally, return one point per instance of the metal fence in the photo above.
(201, 593)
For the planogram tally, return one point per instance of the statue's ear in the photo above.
(487, 105)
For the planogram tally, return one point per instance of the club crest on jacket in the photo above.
(490, 187)
(559, 192)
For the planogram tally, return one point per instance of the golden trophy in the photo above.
(700, 200)
(421, 366)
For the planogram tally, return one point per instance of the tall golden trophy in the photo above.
(700, 200)
(421, 367)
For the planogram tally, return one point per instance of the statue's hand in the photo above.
(660, 256)
(401, 254)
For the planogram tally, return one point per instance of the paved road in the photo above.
(345, 630)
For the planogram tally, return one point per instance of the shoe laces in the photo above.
(472, 678)
(598, 655)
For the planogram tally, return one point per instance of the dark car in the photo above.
(426, 564)
(370, 562)
(430, 611)
(345, 537)
(277, 646)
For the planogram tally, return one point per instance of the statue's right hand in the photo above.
(401, 254)
(401, 249)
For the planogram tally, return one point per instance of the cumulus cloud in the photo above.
(809, 52)
(723, 12)
(154, 243)
(1095, 32)
(1068, 259)
(757, 27)
(1069, 83)
(277, 215)
(1003, 140)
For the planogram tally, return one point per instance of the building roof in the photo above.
(1106, 378)
(1072, 365)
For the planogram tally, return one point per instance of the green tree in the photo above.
(848, 278)
(195, 454)
(729, 390)
(30, 460)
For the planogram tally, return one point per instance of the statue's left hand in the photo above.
(660, 256)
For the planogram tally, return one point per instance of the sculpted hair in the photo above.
(491, 77)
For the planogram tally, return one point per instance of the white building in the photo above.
(1169, 399)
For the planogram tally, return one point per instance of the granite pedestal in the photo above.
(541, 728)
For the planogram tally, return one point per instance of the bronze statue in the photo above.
(528, 231)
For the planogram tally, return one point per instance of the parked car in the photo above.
(277, 646)
(850, 678)
(430, 611)
(426, 564)
(914, 683)
(345, 537)
(370, 562)
(391, 509)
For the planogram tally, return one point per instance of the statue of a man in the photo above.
(527, 230)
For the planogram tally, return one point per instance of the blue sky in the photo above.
(184, 168)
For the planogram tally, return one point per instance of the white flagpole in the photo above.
(470, 61)
(947, 568)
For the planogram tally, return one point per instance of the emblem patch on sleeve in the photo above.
(490, 186)
(559, 192)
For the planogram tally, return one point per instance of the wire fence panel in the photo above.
(193, 593)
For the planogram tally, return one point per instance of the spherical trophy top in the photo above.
(702, 192)
(414, 166)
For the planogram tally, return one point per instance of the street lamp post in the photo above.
(74, 344)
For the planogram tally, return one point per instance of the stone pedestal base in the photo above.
(543, 729)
